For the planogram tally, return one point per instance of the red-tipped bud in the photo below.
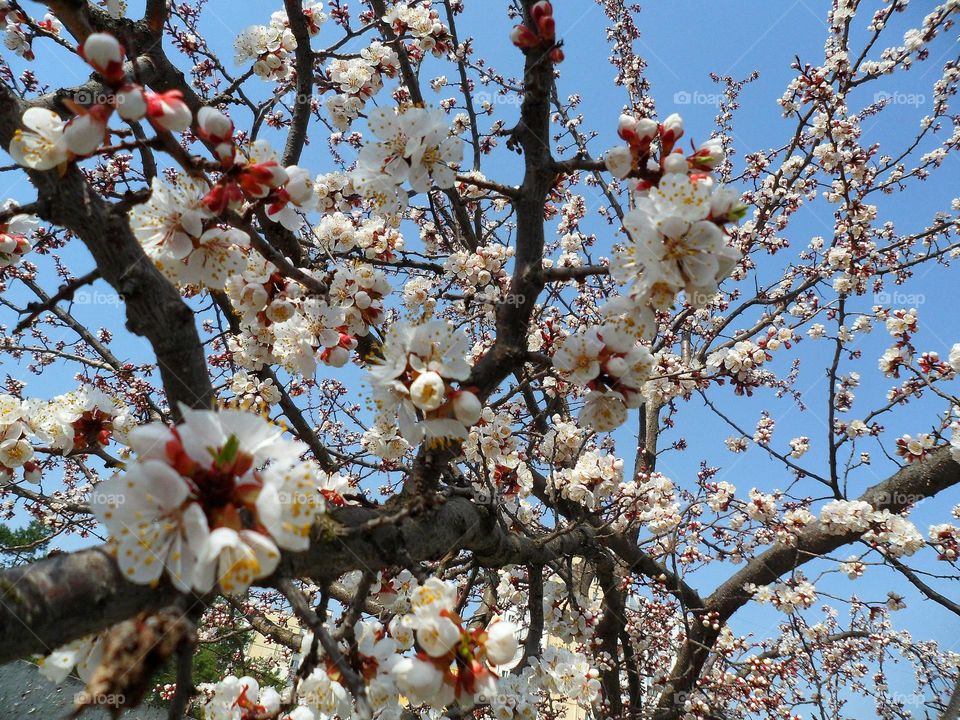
(222, 196)
(671, 130)
(524, 38)
(105, 53)
(168, 111)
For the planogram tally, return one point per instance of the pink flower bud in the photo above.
(708, 155)
(638, 132)
(523, 37)
(671, 130)
(222, 196)
(85, 133)
(214, 125)
(31, 472)
(131, 102)
(674, 163)
(467, 408)
(105, 54)
(257, 180)
(336, 356)
(168, 111)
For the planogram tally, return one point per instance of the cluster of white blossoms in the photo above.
(212, 501)
(839, 517)
(280, 322)
(898, 536)
(649, 501)
(411, 384)
(720, 495)
(612, 364)
(743, 361)
(477, 270)
(16, 235)
(384, 440)
(425, 655)
(517, 697)
(676, 233)
(49, 142)
(253, 393)
(421, 24)
(915, 449)
(84, 420)
(358, 79)
(794, 594)
(17, 31)
(453, 663)
(492, 437)
(562, 443)
(595, 477)
(179, 224)
(945, 539)
(339, 234)
(182, 238)
(568, 674)
(235, 698)
(414, 146)
(762, 506)
(271, 47)
(894, 533)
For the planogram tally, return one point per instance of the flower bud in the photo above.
(523, 37)
(674, 163)
(105, 54)
(671, 130)
(619, 161)
(501, 642)
(213, 124)
(131, 102)
(428, 391)
(708, 155)
(168, 111)
(467, 408)
(337, 356)
(362, 300)
(85, 133)
(31, 472)
(616, 367)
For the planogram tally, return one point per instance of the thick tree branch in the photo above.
(57, 600)
(155, 309)
(901, 490)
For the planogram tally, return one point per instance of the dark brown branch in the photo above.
(40, 601)
(155, 309)
(904, 488)
(66, 292)
(297, 135)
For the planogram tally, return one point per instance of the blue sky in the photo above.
(682, 42)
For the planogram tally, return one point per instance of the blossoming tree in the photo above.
(398, 390)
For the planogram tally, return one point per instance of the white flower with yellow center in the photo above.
(152, 523)
(234, 559)
(289, 502)
(42, 145)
